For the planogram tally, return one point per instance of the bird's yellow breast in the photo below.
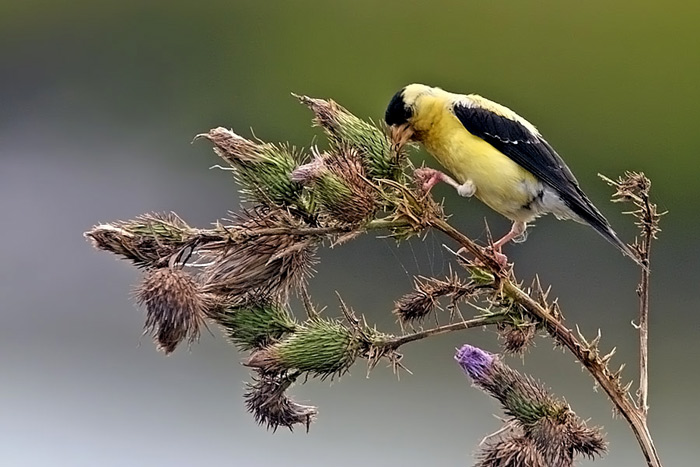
(500, 183)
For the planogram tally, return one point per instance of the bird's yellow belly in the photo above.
(500, 183)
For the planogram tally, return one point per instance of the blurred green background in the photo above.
(99, 102)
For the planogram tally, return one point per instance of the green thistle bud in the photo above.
(257, 324)
(262, 169)
(320, 347)
(346, 130)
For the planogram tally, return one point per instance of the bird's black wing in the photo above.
(533, 153)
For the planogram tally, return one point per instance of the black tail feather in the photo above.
(609, 234)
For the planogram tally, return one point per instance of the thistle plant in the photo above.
(540, 430)
(240, 275)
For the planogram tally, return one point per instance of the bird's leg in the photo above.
(517, 230)
(428, 178)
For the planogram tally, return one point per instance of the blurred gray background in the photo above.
(98, 104)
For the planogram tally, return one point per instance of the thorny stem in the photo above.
(396, 342)
(635, 187)
(564, 336)
(643, 291)
(207, 239)
(487, 259)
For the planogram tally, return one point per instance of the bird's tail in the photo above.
(587, 213)
(609, 234)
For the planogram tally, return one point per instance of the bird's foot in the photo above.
(500, 258)
(520, 238)
(426, 178)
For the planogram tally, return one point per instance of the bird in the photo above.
(495, 155)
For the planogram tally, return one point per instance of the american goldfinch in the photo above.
(494, 154)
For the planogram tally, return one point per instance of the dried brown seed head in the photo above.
(263, 265)
(517, 338)
(267, 400)
(516, 451)
(175, 307)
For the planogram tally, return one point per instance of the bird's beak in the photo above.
(400, 135)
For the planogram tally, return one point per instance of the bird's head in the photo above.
(401, 111)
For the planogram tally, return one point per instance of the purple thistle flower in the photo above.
(475, 362)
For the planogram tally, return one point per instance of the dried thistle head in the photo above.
(339, 185)
(262, 169)
(256, 324)
(267, 400)
(346, 130)
(416, 211)
(517, 337)
(415, 306)
(150, 240)
(630, 186)
(320, 347)
(175, 307)
(560, 438)
(634, 187)
(511, 451)
(264, 264)
(588, 442)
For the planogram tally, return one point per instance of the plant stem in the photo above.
(376, 224)
(396, 342)
(212, 239)
(488, 260)
(648, 225)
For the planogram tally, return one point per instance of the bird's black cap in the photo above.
(397, 112)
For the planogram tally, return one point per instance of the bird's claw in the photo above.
(500, 258)
(426, 178)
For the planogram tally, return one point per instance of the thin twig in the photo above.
(643, 392)
(396, 342)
